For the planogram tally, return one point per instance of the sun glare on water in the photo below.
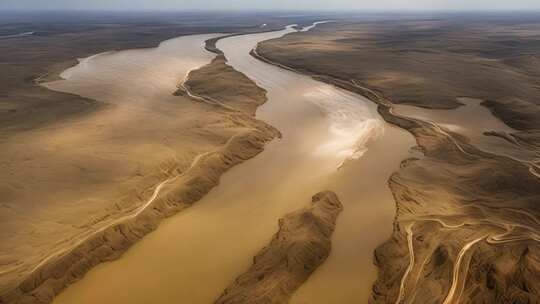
(352, 126)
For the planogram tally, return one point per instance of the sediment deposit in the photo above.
(302, 244)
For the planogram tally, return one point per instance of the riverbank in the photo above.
(455, 205)
(59, 38)
(302, 244)
(175, 186)
(335, 135)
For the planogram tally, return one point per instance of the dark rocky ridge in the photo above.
(300, 246)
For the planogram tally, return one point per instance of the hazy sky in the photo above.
(268, 4)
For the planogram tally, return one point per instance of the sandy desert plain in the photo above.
(269, 157)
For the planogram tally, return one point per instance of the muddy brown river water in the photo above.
(332, 139)
(472, 120)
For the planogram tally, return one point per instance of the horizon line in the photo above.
(269, 10)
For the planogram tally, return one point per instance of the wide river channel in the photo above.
(332, 140)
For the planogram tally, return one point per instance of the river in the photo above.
(472, 120)
(332, 139)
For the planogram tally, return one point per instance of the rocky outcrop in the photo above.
(300, 246)
(230, 89)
